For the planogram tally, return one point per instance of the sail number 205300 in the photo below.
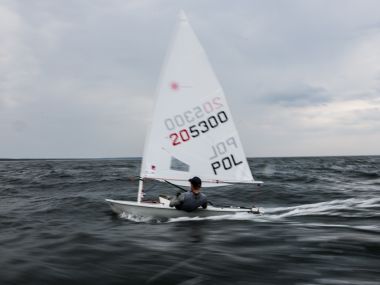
(196, 130)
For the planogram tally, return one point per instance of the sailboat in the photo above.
(192, 133)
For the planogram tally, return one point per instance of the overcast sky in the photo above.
(77, 78)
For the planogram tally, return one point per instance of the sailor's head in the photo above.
(195, 183)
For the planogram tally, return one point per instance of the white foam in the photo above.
(236, 216)
(137, 219)
(327, 208)
(333, 207)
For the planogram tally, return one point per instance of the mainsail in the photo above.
(192, 131)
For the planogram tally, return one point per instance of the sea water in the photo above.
(320, 225)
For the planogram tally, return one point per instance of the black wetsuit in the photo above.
(189, 201)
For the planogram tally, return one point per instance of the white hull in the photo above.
(163, 211)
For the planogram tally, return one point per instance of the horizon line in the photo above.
(140, 157)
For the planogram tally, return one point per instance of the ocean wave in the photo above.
(55, 226)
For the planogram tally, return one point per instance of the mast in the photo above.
(140, 192)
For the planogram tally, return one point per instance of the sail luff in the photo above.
(181, 17)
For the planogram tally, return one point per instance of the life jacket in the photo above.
(191, 201)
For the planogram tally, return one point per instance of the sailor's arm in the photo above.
(176, 201)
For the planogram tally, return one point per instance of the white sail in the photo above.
(192, 131)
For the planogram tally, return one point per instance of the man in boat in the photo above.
(191, 200)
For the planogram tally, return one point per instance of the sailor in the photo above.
(191, 200)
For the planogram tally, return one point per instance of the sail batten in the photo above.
(192, 132)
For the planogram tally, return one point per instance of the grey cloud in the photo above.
(299, 96)
(19, 126)
(82, 74)
(370, 116)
